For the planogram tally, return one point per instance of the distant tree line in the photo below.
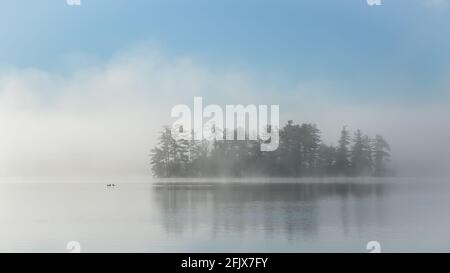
(301, 152)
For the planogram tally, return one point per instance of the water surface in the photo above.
(337, 215)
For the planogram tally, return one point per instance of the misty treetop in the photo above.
(301, 153)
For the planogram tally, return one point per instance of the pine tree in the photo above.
(356, 154)
(361, 155)
(367, 155)
(301, 153)
(381, 156)
(290, 152)
(342, 158)
(327, 159)
(163, 155)
(311, 140)
(169, 157)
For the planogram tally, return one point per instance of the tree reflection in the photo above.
(290, 209)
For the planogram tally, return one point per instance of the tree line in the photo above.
(301, 153)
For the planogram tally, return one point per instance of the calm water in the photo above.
(285, 216)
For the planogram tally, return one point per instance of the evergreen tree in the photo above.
(198, 157)
(301, 153)
(170, 157)
(381, 156)
(342, 158)
(163, 157)
(327, 159)
(361, 154)
(367, 144)
(290, 151)
(311, 142)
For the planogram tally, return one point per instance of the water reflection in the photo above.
(287, 209)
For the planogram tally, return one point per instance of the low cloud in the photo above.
(102, 119)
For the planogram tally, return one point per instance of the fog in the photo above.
(102, 118)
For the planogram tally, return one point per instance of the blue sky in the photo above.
(399, 50)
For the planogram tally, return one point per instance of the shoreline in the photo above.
(124, 180)
(276, 180)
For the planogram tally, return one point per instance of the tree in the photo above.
(327, 159)
(290, 151)
(301, 153)
(342, 158)
(169, 158)
(381, 156)
(311, 141)
(361, 154)
(198, 151)
(162, 155)
(367, 144)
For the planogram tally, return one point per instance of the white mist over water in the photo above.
(103, 118)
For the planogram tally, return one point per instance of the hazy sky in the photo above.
(85, 89)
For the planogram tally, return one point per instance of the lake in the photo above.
(278, 215)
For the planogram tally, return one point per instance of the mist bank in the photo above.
(101, 118)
